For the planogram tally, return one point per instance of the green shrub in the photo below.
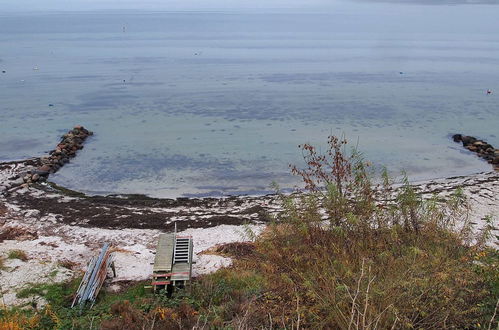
(18, 254)
(56, 294)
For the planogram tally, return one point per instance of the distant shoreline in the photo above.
(48, 197)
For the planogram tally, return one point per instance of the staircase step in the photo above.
(182, 250)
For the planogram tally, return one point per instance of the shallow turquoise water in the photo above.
(200, 104)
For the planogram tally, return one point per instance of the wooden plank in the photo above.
(181, 272)
(164, 253)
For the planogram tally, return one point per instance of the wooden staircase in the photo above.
(173, 261)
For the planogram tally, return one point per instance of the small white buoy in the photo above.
(35, 68)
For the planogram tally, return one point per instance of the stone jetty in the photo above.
(70, 143)
(42, 167)
(481, 148)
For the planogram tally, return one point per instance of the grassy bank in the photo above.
(353, 253)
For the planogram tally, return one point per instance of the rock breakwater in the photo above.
(481, 148)
(66, 149)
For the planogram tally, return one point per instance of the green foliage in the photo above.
(226, 285)
(59, 296)
(17, 254)
(486, 266)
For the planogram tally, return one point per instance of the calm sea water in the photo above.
(200, 104)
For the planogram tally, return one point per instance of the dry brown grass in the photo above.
(130, 318)
(322, 279)
(3, 209)
(68, 264)
(18, 254)
(15, 320)
(17, 233)
(234, 249)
